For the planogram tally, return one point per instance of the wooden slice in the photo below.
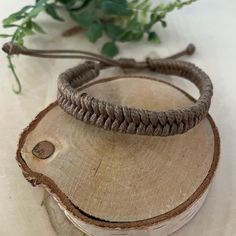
(109, 183)
(60, 223)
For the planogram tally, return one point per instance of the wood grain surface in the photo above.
(125, 178)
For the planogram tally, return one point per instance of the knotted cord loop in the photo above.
(131, 120)
(119, 118)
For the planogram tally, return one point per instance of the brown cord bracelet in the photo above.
(119, 118)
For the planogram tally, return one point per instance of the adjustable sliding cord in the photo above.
(121, 118)
(13, 49)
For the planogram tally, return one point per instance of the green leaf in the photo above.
(37, 28)
(153, 37)
(29, 32)
(130, 36)
(134, 31)
(16, 16)
(27, 28)
(40, 6)
(113, 31)
(11, 26)
(110, 49)
(83, 4)
(19, 39)
(68, 3)
(40, 3)
(163, 23)
(94, 32)
(11, 19)
(5, 35)
(134, 26)
(115, 8)
(155, 17)
(143, 4)
(84, 19)
(50, 9)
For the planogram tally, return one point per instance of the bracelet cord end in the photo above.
(11, 48)
(191, 48)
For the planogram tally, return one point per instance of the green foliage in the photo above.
(119, 20)
(119, 8)
(153, 37)
(85, 18)
(50, 9)
(94, 32)
(110, 49)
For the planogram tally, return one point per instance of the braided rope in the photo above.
(131, 120)
(121, 118)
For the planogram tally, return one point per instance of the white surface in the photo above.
(162, 229)
(210, 24)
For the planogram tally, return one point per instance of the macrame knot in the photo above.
(12, 49)
(127, 63)
(151, 63)
(117, 117)
(190, 49)
(131, 120)
(96, 66)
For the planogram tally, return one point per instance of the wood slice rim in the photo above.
(38, 179)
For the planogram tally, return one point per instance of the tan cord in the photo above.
(122, 118)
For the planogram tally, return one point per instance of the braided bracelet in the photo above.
(127, 119)
(122, 118)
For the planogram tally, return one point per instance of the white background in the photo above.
(210, 24)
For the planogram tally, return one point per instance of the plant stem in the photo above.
(11, 66)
